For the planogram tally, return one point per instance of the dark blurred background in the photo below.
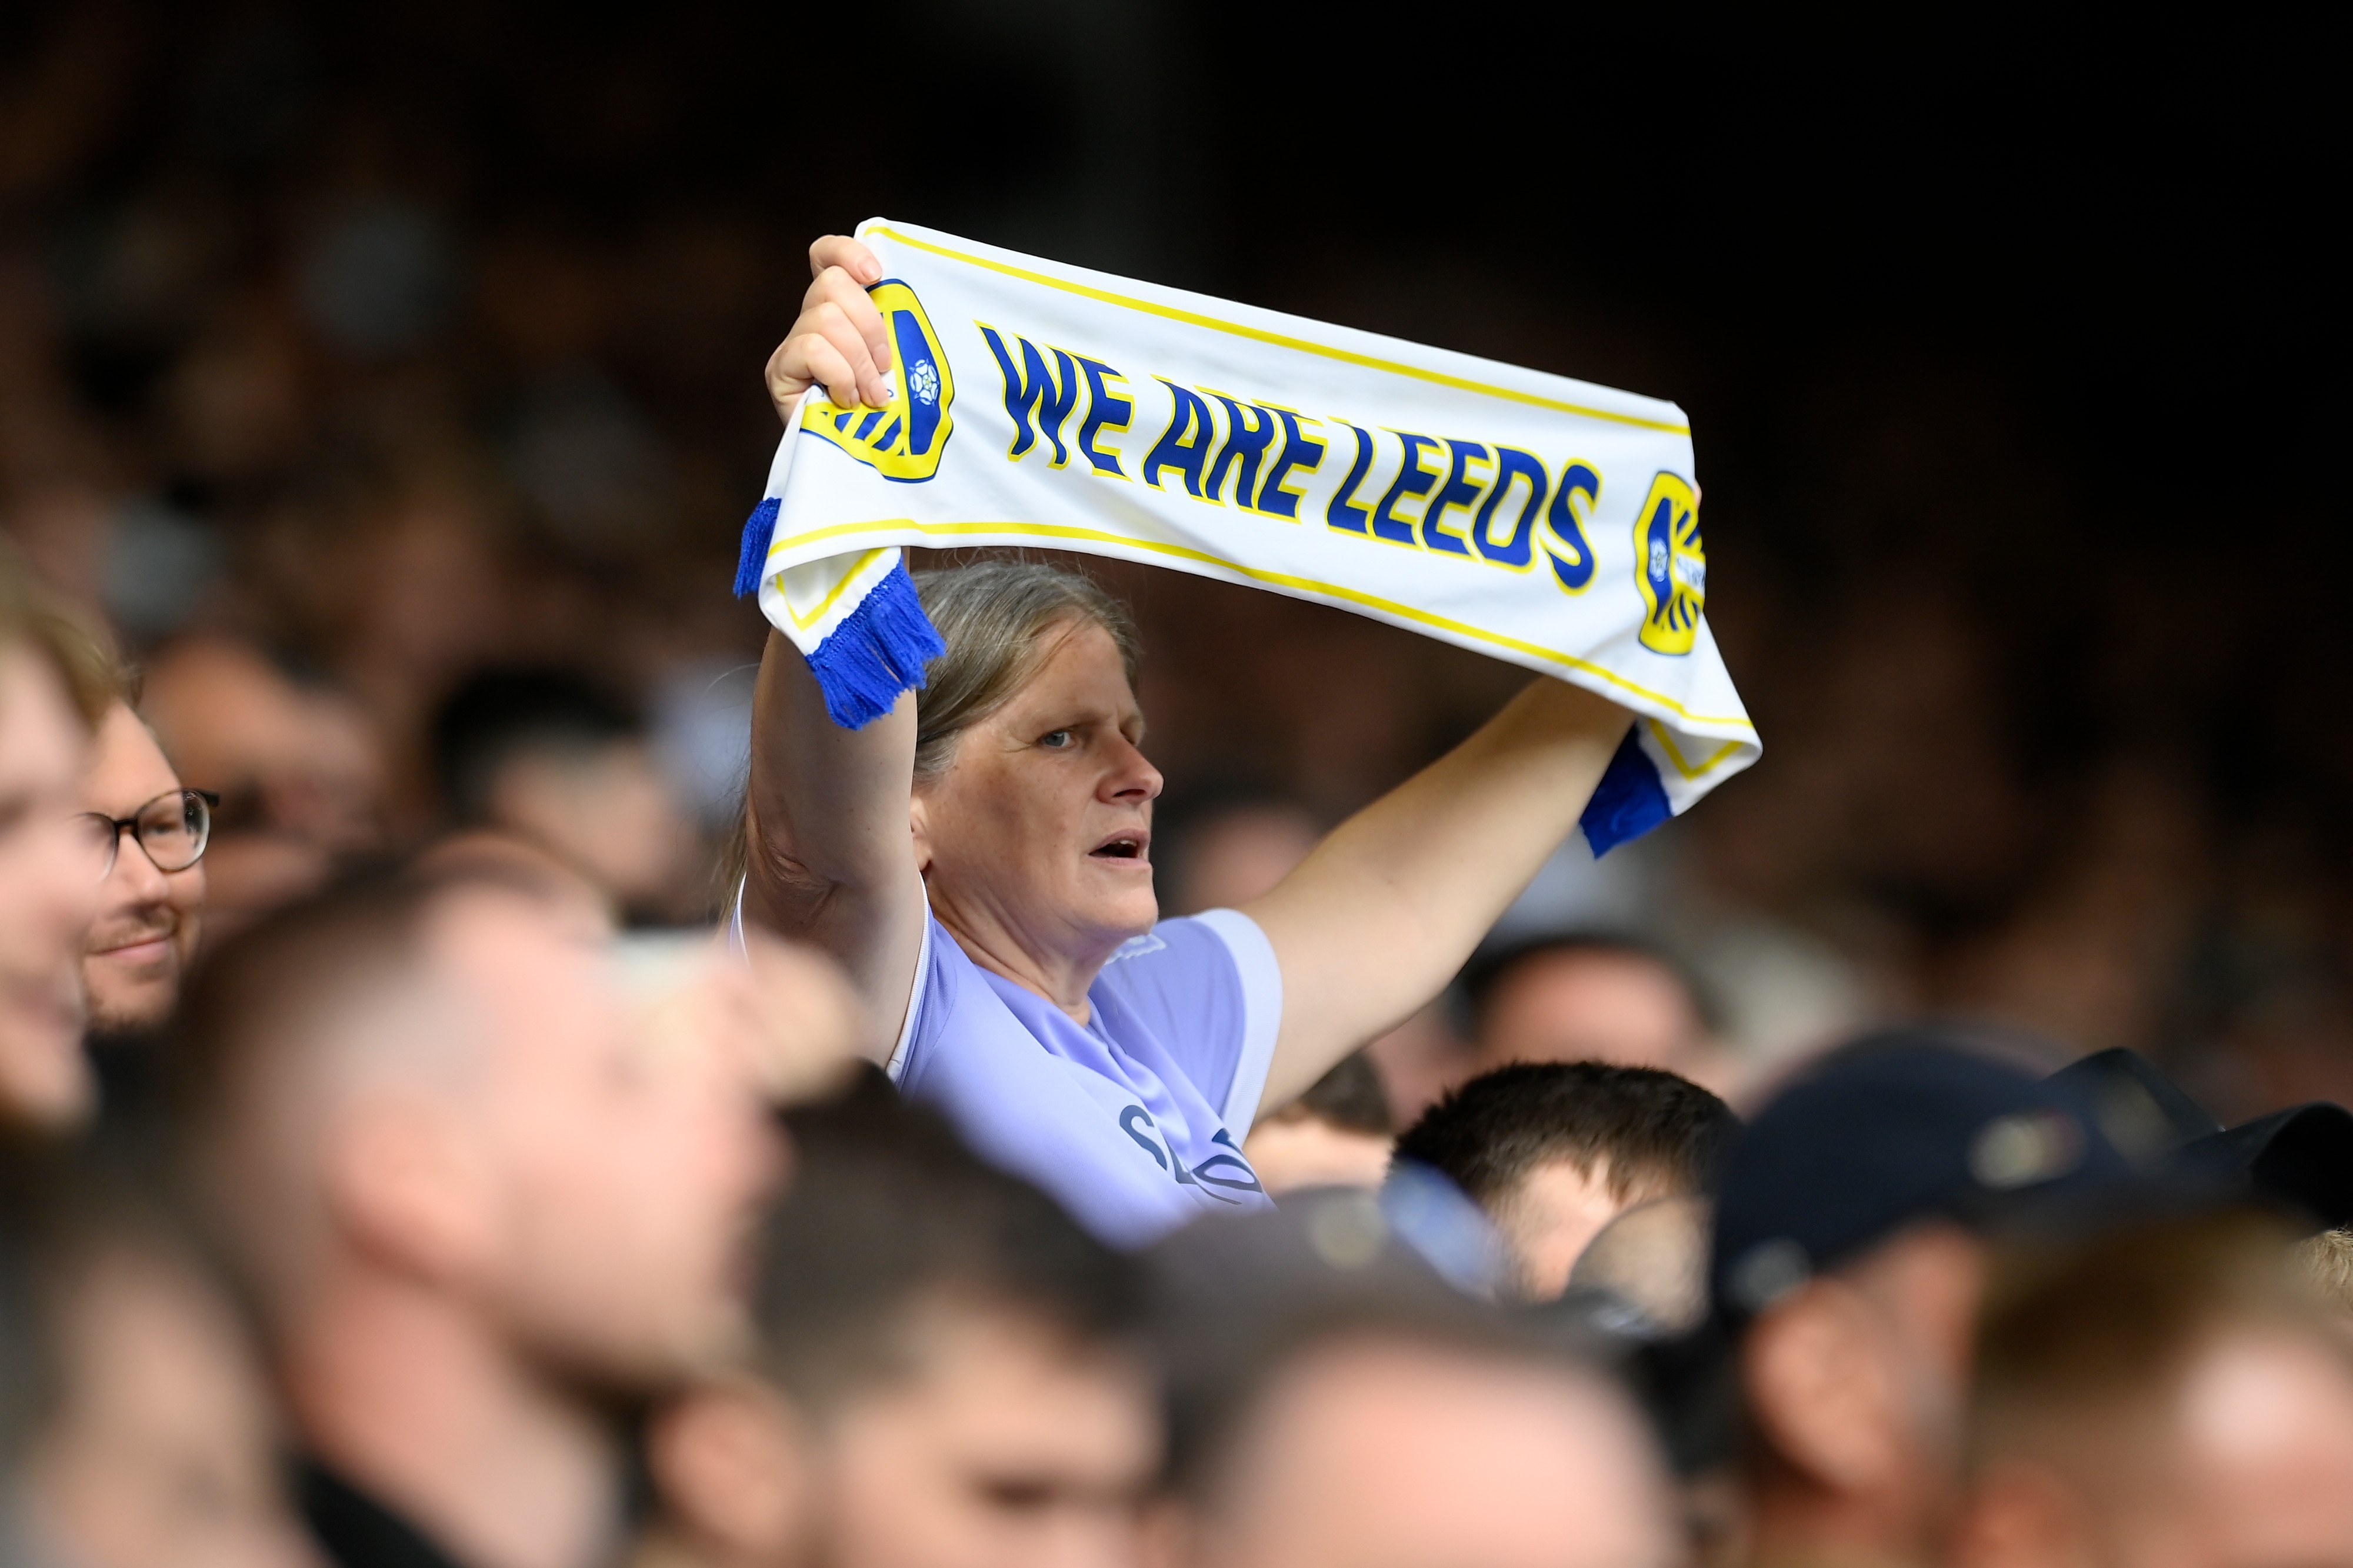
(391, 343)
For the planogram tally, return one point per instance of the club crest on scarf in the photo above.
(903, 442)
(1672, 571)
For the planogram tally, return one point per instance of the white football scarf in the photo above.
(1547, 521)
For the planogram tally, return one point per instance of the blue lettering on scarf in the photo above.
(1514, 549)
(1246, 439)
(1565, 520)
(1107, 410)
(1459, 493)
(1034, 391)
(1339, 514)
(1185, 444)
(1276, 499)
(1412, 479)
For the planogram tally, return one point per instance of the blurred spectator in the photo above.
(27, 1373)
(1379, 1434)
(1230, 849)
(1337, 1133)
(1420, 1060)
(1653, 1257)
(2327, 1260)
(781, 1018)
(576, 903)
(299, 773)
(1848, 1262)
(2297, 1161)
(945, 1373)
(1593, 998)
(1553, 1151)
(476, 1200)
(546, 756)
(49, 699)
(1641, 1285)
(2158, 1398)
(157, 1443)
(153, 896)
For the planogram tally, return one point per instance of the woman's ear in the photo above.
(917, 823)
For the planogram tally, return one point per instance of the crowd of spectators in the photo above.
(431, 1217)
(393, 1171)
(341, 360)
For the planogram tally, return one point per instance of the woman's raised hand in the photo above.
(839, 343)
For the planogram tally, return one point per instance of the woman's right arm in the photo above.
(832, 855)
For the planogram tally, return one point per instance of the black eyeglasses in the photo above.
(172, 828)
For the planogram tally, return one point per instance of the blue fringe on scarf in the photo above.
(879, 651)
(1628, 801)
(754, 553)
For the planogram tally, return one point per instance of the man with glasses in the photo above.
(146, 838)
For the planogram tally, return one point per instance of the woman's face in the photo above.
(1041, 827)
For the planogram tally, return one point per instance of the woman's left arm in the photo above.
(1376, 921)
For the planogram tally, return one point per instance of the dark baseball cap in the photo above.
(2299, 1161)
(1898, 1127)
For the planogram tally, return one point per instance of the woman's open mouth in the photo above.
(1124, 846)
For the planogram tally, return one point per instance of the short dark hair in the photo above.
(499, 715)
(1486, 973)
(1662, 1135)
(890, 1215)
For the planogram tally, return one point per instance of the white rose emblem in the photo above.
(924, 380)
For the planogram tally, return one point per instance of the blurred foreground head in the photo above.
(1850, 1261)
(49, 888)
(1552, 1152)
(477, 1191)
(946, 1375)
(1391, 1432)
(153, 1443)
(2158, 1399)
(545, 755)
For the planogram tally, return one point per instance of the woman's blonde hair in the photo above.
(993, 616)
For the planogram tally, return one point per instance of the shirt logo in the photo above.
(1229, 1171)
(905, 441)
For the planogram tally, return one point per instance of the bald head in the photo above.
(450, 1089)
(1387, 1450)
(297, 1025)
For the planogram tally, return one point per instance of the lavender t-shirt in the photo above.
(1134, 1121)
